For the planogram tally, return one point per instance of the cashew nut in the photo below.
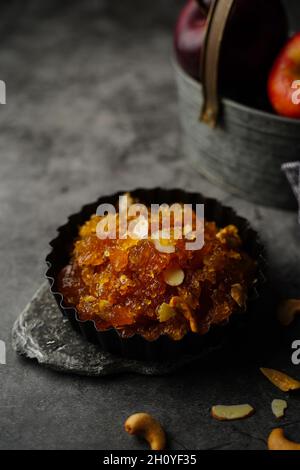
(278, 441)
(287, 311)
(239, 295)
(143, 424)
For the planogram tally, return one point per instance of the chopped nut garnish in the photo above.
(230, 413)
(230, 236)
(278, 407)
(239, 295)
(165, 312)
(287, 311)
(139, 229)
(147, 263)
(163, 247)
(173, 276)
(185, 310)
(163, 242)
(89, 298)
(103, 304)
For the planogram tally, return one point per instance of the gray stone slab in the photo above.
(43, 334)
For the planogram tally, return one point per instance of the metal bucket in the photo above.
(245, 150)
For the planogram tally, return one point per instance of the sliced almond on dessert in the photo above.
(278, 408)
(173, 276)
(139, 228)
(163, 241)
(287, 311)
(183, 308)
(239, 295)
(284, 382)
(163, 247)
(89, 298)
(103, 304)
(229, 235)
(165, 312)
(232, 412)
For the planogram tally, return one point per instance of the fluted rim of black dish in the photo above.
(76, 219)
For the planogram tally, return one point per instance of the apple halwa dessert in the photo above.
(152, 286)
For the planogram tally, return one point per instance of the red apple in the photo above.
(283, 89)
(189, 37)
(256, 31)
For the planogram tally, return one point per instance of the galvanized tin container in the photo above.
(245, 150)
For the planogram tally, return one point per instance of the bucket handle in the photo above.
(217, 19)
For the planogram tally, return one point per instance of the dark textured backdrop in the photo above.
(91, 109)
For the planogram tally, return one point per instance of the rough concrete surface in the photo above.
(91, 109)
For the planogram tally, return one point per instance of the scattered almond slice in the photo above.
(239, 295)
(165, 312)
(173, 276)
(282, 381)
(163, 242)
(278, 408)
(287, 311)
(232, 412)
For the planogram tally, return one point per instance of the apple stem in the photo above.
(203, 7)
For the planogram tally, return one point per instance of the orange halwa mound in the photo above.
(122, 284)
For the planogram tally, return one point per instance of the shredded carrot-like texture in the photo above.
(121, 283)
